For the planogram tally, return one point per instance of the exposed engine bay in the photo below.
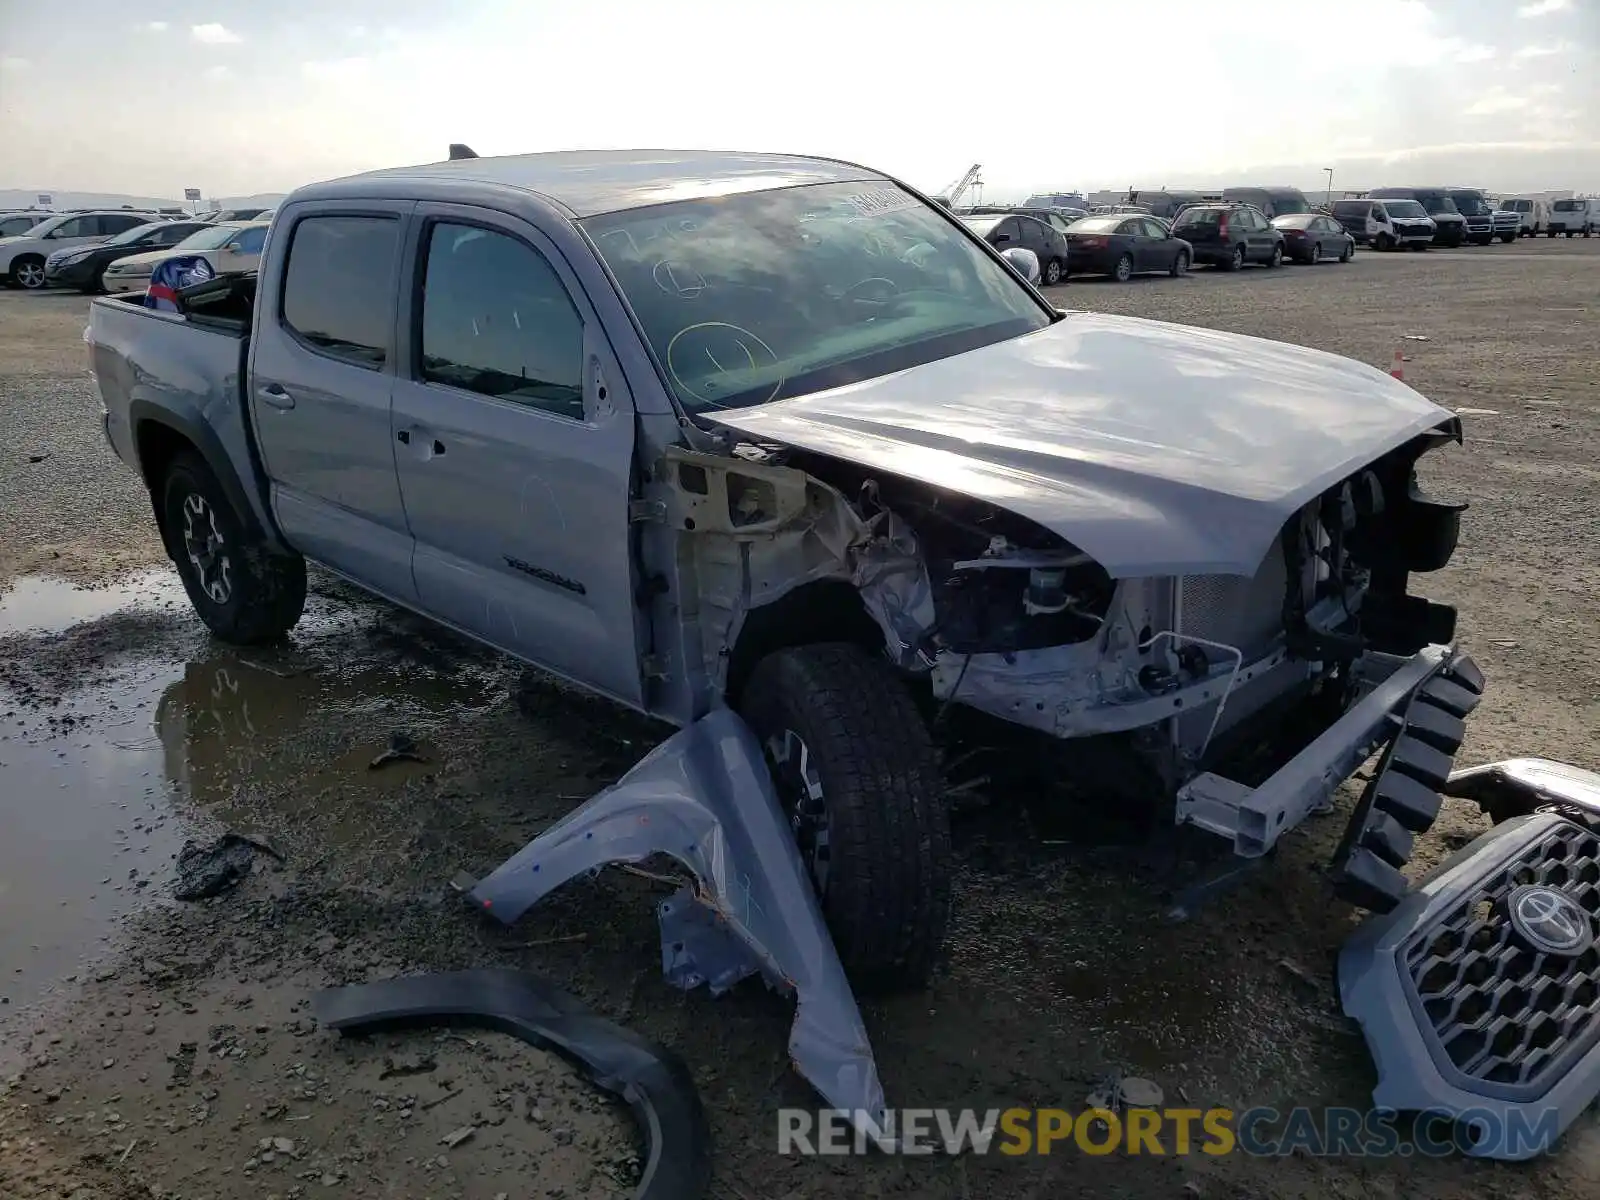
(997, 613)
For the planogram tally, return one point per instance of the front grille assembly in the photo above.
(1469, 1007)
(1498, 1008)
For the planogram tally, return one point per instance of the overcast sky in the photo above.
(151, 96)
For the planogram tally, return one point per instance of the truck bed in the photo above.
(184, 370)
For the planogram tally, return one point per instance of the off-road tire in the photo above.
(887, 896)
(266, 590)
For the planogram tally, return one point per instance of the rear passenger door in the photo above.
(514, 438)
(321, 375)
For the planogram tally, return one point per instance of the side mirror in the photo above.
(1024, 261)
(234, 247)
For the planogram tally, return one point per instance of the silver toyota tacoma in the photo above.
(778, 435)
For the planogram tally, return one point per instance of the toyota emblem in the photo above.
(1550, 921)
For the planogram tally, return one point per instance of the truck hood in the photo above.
(1159, 449)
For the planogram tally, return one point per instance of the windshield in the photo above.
(1440, 206)
(1095, 225)
(214, 238)
(1198, 216)
(1405, 208)
(1517, 206)
(1288, 206)
(1567, 205)
(1351, 208)
(981, 225)
(1470, 204)
(778, 293)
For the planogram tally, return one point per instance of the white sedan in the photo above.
(230, 248)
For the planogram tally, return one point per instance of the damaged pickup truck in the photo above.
(778, 434)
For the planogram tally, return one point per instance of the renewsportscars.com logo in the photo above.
(1259, 1132)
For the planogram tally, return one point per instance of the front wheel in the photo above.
(1316, 253)
(1277, 257)
(860, 782)
(1508, 238)
(243, 592)
(1384, 242)
(1052, 272)
(1180, 264)
(1235, 260)
(1349, 251)
(28, 272)
(1124, 269)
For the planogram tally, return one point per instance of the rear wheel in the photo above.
(1123, 271)
(1276, 260)
(243, 591)
(1349, 250)
(860, 782)
(1316, 253)
(1180, 263)
(1052, 272)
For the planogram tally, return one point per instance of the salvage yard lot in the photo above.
(1058, 970)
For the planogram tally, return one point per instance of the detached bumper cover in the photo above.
(1466, 1011)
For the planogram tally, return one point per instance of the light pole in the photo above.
(1329, 172)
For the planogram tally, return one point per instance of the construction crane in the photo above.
(952, 195)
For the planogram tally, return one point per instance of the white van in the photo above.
(1386, 224)
(1535, 214)
(1574, 216)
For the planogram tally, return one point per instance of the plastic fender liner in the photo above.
(654, 1081)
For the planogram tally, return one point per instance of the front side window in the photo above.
(765, 295)
(497, 320)
(339, 287)
(250, 241)
(74, 227)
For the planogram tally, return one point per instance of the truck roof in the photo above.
(588, 182)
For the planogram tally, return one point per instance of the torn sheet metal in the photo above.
(705, 797)
(892, 580)
(655, 1082)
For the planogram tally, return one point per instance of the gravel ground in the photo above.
(159, 1068)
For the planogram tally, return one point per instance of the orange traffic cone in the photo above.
(1398, 370)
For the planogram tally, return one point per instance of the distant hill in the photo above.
(28, 197)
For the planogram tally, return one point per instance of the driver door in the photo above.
(513, 442)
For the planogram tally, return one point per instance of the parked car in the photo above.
(83, 267)
(229, 248)
(1058, 200)
(1122, 246)
(22, 257)
(14, 224)
(1166, 204)
(1574, 217)
(1507, 225)
(1478, 213)
(1533, 214)
(473, 390)
(227, 215)
(1004, 231)
(1449, 226)
(1386, 224)
(1273, 201)
(1311, 237)
(1229, 235)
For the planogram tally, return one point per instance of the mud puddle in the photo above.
(124, 729)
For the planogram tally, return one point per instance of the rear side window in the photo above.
(338, 287)
(497, 320)
(114, 224)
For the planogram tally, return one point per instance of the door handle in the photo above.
(405, 437)
(438, 447)
(274, 394)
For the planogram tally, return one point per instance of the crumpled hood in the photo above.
(1160, 449)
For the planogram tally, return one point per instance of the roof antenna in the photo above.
(460, 150)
